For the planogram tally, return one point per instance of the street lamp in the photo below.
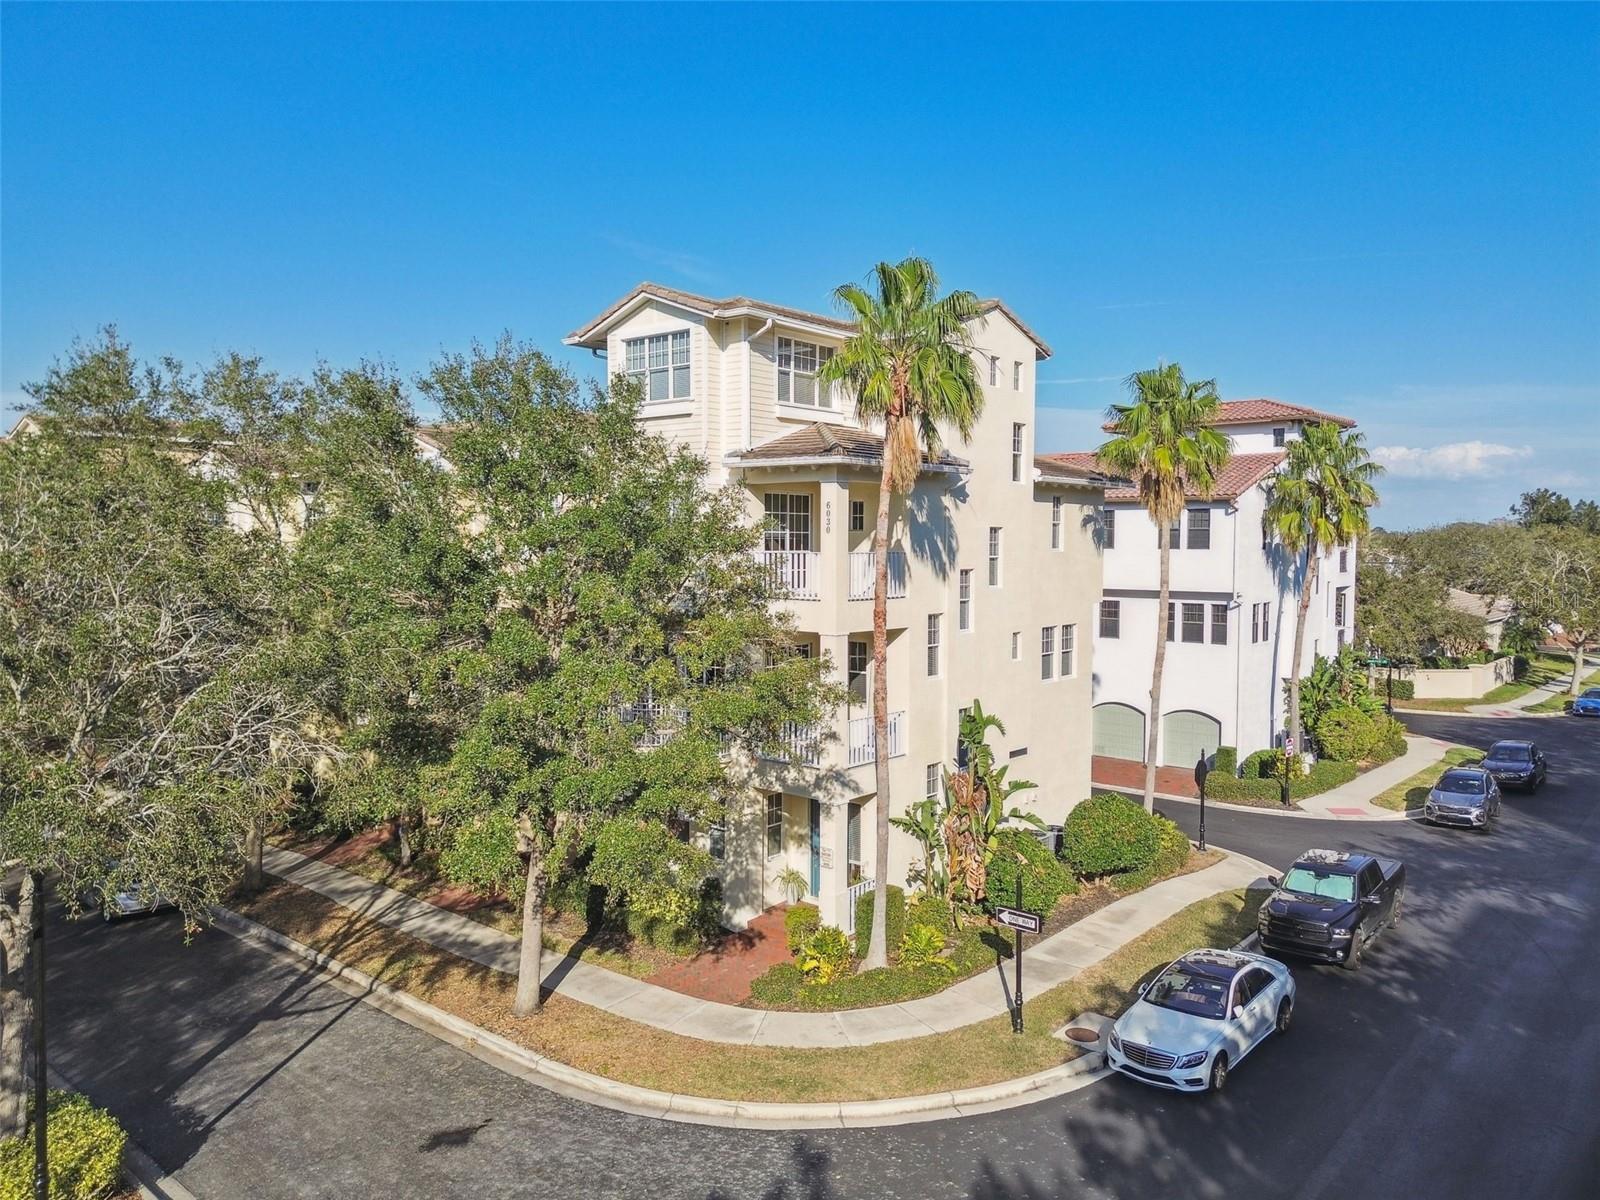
(1201, 770)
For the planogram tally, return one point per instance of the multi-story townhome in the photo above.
(994, 576)
(1230, 625)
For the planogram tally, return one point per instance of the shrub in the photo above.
(968, 951)
(1390, 740)
(1044, 879)
(1226, 760)
(799, 923)
(1403, 689)
(1107, 834)
(1346, 734)
(1169, 859)
(682, 937)
(1260, 764)
(1324, 774)
(826, 956)
(923, 946)
(894, 920)
(84, 1151)
(931, 910)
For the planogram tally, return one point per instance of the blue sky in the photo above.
(1392, 213)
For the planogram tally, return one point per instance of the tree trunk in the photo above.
(531, 952)
(878, 942)
(1154, 717)
(1578, 665)
(255, 876)
(1306, 586)
(402, 841)
(16, 1010)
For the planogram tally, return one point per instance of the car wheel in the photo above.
(1219, 1072)
(1285, 1013)
(1352, 960)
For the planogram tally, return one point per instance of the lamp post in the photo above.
(1201, 770)
(1288, 754)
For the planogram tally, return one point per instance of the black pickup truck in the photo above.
(1331, 905)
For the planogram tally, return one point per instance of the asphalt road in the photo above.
(1461, 1062)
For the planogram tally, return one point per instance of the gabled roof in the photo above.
(821, 444)
(1242, 473)
(592, 335)
(1257, 412)
(1052, 469)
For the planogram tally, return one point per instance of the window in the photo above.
(1219, 624)
(788, 521)
(798, 364)
(858, 515)
(1339, 606)
(994, 556)
(1016, 377)
(661, 365)
(1016, 645)
(1194, 622)
(1175, 533)
(1265, 619)
(934, 621)
(1108, 517)
(717, 840)
(1277, 436)
(1055, 522)
(964, 612)
(856, 669)
(1255, 623)
(1199, 529)
(1111, 618)
(852, 843)
(1344, 561)
(1069, 637)
(774, 825)
(961, 747)
(930, 784)
(1171, 620)
(994, 370)
(1047, 652)
(1016, 452)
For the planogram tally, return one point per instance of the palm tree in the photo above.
(1319, 501)
(910, 366)
(1164, 443)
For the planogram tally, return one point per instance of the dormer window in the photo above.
(798, 364)
(661, 365)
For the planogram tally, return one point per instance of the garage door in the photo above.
(1185, 736)
(1119, 731)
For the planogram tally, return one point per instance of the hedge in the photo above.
(691, 937)
(84, 1150)
(1324, 775)
(1226, 759)
(1044, 878)
(1169, 860)
(1402, 689)
(1108, 834)
(799, 923)
(894, 923)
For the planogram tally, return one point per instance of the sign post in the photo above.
(1022, 921)
(1201, 770)
(1288, 757)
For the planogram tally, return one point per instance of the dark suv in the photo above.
(1516, 764)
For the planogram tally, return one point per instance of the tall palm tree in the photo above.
(910, 366)
(1164, 442)
(1318, 501)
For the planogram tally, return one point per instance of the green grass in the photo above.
(1542, 669)
(1410, 793)
(1558, 702)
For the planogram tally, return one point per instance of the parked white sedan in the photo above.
(1196, 1021)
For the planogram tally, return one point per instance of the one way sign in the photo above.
(1020, 919)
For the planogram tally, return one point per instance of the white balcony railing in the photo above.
(862, 569)
(856, 891)
(794, 571)
(863, 743)
(800, 745)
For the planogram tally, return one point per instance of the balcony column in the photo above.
(834, 547)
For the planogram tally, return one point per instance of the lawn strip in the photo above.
(1410, 793)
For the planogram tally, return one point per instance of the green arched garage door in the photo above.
(1185, 736)
(1119, 731)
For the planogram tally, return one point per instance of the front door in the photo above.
(816, 848)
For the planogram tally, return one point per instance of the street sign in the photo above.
(1019, 919)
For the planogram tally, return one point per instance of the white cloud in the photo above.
(1453, 460)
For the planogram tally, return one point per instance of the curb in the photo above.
(148, 1175)
(555, 1076)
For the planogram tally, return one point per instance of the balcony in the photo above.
(862, 569)
(795, 572)
(863, 743)
(801, 745)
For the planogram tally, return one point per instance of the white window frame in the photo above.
(1116, 619)
(1219, 611)
(1205, 528)
(964, 600)
(788, 356)
(1108, 528)
(774, 826)
(1047, 653)
(640, 365)
(1055, 522)
(1018, 437)
(994, 370)
(930, 781)
(1184, 623)
(1066, 645)
(935, 644)
(1016, 645)
(995, 547)
(1016, 375)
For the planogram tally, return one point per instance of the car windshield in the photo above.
(1511, 753)
(1591, 694)
(1325, 885)
(1468, 783)
(1183, 989)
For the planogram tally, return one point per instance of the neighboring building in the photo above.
(1493, 611)
(1230, 626)
(994, 575)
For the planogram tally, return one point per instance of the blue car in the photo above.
(1588, 704)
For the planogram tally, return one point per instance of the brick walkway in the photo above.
(1124, 774)
(725, 973)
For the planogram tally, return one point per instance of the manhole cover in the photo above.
(1079, 1034)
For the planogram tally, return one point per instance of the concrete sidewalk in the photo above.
(1051, 961)
(1514, 708)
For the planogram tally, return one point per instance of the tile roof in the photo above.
(823, 443)
(1242, 473)
(1053, 468)
(1255, 412)
(711, 307)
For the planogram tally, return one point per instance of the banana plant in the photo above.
(976, 811)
